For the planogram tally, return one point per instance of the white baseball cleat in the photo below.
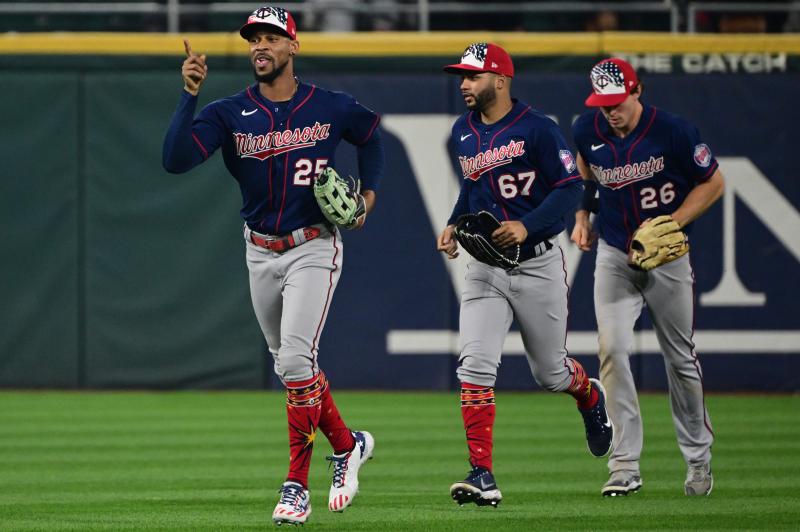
(345, 471)
(699, 480)
(294, 506)
(622, 483)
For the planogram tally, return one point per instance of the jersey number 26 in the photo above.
(651, 196)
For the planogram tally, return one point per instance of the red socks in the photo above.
(477, 411)
(309, 404)
(331, 424)
(303, 409)
(581, 387)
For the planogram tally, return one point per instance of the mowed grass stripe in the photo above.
(214, 461)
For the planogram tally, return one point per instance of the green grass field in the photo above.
(214, 461)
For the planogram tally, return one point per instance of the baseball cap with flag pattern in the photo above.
(483, 57)
(612, 82)
(275, 17)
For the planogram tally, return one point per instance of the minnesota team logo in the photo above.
(607, 78)
(475, 54)
(262, 147)
(474, 167)
(620, 176)
(567, 160)
(264, 13)
(702, 155)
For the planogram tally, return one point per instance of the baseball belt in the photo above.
(282, 244)
(537, 251)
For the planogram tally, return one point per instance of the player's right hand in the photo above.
(582, 233)
(447, 242)
(194, 70)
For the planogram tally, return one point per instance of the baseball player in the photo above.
(277, 136)
(653, 171)
(517, 167)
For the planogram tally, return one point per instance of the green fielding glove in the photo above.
(340, 204)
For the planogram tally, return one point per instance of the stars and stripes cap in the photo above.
(275, 17)
(483, 57)
(612, 81)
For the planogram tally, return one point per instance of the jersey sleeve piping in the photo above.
(711, 171)
(200, 145)
(371, 130)
(566, 180)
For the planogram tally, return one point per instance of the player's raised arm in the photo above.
(194, 70)
(188, 143)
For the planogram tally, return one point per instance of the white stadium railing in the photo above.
(422, 9)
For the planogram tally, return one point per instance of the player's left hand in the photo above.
(510, 233)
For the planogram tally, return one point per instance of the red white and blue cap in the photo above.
(483, 57)
(274, 17)
(612, 81)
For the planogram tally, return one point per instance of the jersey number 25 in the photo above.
(303, 169)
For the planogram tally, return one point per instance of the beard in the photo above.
(483, 99)
(272, 76)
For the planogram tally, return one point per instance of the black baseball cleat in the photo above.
(599, 431)
(479, 487)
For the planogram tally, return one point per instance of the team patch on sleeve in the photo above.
(702, 155)
(568, 160)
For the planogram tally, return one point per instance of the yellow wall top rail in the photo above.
(400, 43)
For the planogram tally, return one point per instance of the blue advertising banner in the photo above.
(394, 321)
(122, 275)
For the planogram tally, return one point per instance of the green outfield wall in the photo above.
(116, 274)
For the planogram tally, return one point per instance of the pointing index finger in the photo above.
(187, 47)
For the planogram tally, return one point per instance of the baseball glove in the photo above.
(474, 233)
(341, 204)
(657, 241)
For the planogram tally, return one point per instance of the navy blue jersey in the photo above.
(274, 150)
(512, 166)
(646, 174)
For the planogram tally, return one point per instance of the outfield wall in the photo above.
(117, 274)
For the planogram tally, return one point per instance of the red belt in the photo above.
(285, 243)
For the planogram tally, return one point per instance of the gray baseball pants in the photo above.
(291, 295)
(620, 292)
(536, 295)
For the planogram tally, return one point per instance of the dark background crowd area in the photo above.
(400, 15)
